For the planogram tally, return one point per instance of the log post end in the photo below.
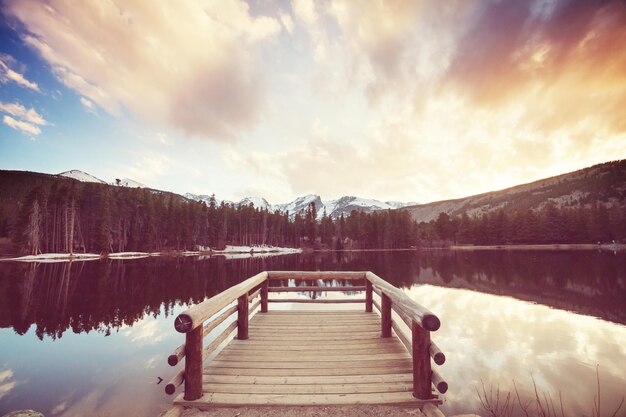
(183, 323)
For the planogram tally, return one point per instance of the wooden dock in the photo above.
(307, 357)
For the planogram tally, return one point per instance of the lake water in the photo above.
(92, 338)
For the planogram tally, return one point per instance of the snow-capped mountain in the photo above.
(81, 176)
(258, 202)
(300, 204)
(127, 182)
(333, 208)
(207, 199)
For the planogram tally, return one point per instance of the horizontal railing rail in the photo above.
(245, 297)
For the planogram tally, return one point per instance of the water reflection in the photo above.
(120, 313)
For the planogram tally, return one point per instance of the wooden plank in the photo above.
(317, 289)
(322, 337)
(312, 322)
(368, 296)
(317, 301)
(314, 275)
(209, 400)
(262, 351)
(293, 313)
(309, 389)
(353, 328)
(286, 357)
(375, 363)
(333, 344)
(369, 328)
(306, 372)
(307, 380)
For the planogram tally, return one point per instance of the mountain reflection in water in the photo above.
(486, 337)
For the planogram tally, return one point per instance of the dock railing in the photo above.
(245, 297)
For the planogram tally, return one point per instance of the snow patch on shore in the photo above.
(231, 252)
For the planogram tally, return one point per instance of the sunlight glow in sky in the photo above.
(415, 100)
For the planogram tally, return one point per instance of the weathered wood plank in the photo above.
(322, 337)
(331, 344)
(317, 289)
(209, 400)
(306, 380)
(313, 275)
(306, 372)
(375, 363)
(309, 389)
(298, 356)
(262, 351)
(317, 301)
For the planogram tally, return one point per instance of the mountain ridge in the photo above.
(604, 183)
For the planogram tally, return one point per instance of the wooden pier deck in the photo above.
(307, 357)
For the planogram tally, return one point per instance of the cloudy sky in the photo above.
(415, 100)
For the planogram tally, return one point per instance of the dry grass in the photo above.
(499, 404)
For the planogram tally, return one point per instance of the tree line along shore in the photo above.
(73, 217)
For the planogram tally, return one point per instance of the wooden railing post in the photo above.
(242, 317)
(193, 364)
(264, 291)
(385, 315)
(421, 362)
(368, 296)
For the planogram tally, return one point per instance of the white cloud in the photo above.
(25, 120)
(87, 103)
(287, 21)
(192, 65)
(9, 74)
(29, 115)
(25, 127)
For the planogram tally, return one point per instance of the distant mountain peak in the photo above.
(127, 182)
(81, 176)
(333, 208)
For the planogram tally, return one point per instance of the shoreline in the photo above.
(250, 251)
(550, 246)
(230, 251)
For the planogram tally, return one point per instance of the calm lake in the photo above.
(92, 338)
